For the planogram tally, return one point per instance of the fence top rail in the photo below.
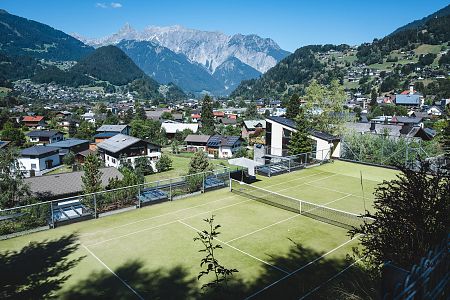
(225, 169)
(304, 201)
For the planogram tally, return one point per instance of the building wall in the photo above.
(112, 160)
(38, 164)
(276, 139)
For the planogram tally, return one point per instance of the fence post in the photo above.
(289, 165)
(52, 224)
(170, 189)
(139, 195)
(203, 182)
(95, 205)
(229, 179)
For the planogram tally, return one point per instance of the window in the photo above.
(33, 166)
(113, 160)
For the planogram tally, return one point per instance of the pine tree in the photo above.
(199, 163)
(139, 111)
(446, 139)
(373, 97)
(293, 107)
(12, 186)
(251, 113)
(207, 116)
(300, 142)
(92, 177)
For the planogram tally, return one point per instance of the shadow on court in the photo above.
(36, 271)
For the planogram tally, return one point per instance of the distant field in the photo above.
(424, 49)
(149, 253)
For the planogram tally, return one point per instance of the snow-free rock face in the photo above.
(187, 56)
(209, 48)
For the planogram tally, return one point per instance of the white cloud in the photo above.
(116, 5)
(101, 5)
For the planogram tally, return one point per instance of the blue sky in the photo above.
(291, 24)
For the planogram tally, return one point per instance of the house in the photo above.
(172, 127)
(89, 117)
(64, 185)
(278, 136)
(228, 121)
(106, 131)
(196, 142)
(406, 120)
(36, 159)
(251, 126)
(123, 146)
(63, 114)
(80, 157)
(222, 146)
(42, 137)
(71, 145)
(156, 114)
(34, 121)
(218, 114)
(434, 111)
(195, 117)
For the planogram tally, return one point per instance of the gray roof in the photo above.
(43, 133)
(118, 142)
(197, 138)
(283, 121)
(66, 183)
(407, 99)
(38, 150)
(69, 143)
(323, 135)
(391, 129)
(111, 128)
(252, 124)
(410, 120)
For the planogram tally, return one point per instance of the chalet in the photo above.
(63, 185)
(89, 117)
(196, 142)
(80, 157)
(34, 121)
(172, 127)
(42, 137)
(218, 114)
(221, 146)
(36, 159)
(123, 146)
(195, 118)
(71, 145)
(278, 136)
(251, 126)
(106, 131)
(408, 100)
(228, 121)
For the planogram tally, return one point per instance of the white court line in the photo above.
(329, 279)
(112, 272)
(154, 217)
(165, 224)
(282, 221)
(280, 183)
(239, 250)
(301, 268)
(303, 183)
(333, 190)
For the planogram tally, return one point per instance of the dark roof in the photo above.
(228, 121)
(3, 144)
(66, 183)
(38, 150)
(87, 152)
(283, 121)
(112, 128)
(197, 138)
(69, 143)
(323, 135)
(415, 120)
(105, 134)
(222, 140)
(43, 133)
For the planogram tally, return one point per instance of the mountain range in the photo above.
(180, 47)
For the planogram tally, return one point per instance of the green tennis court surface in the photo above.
(150, 252)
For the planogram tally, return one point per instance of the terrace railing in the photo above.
(50, 214)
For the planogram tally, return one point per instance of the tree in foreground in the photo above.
(199, 163)
(92, 177)
(251, 113)
(300, 142)
(293, 107)
(220, 274)
(207, 116)
(13, 189)
(411, 217)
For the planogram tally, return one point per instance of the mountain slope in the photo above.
(111, 64)
(419, 23)
(166, 66)
(232, 71)
(208, 48)
(20, 36)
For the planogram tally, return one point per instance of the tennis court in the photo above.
(150, 252)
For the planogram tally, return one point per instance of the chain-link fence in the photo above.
(275, 165)
(50, 214)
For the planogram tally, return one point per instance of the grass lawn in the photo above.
(180, 166)
(63, 169)
(424, 49)
(150, 253)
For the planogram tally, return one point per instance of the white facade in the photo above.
(38, 164)
(111, 161)
(56, 138)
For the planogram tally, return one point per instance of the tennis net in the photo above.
(322, 213)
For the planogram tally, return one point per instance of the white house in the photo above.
(41, 137)
(89, 117)
(172, 127)
(123, 146)
(222, 146)
(278, 135)
(36, 159)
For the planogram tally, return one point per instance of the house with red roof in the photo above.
(33, 121)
